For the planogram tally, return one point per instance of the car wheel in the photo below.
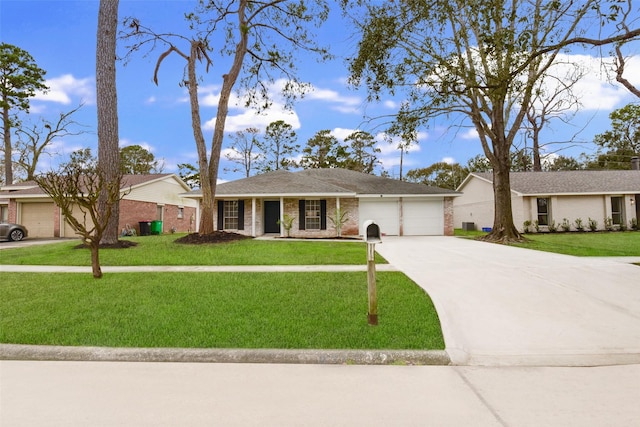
(16, 235)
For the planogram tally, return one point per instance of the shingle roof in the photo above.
(572, 182)
(322, 182)
(31, 188)
(278, 182)
(363, 183)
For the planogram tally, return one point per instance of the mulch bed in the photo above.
(215, 237)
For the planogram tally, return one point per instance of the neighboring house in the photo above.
(149, 197)
(550, 197)
(257, 205)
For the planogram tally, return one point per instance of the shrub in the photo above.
(287, 223)
(553, 227)
(622, 226)
(593, 224)
(536, 225)
(633, 224)
(566, 225)
(526, 225)
(579, 225)
(608, 224)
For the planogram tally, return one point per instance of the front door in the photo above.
(271, 216)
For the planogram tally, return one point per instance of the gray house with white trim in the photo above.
(550, 197)
(259, 204)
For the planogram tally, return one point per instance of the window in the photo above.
(230, 214)
(4, 214)
(180, 212)
(617, 210)
(312, 214)
(544, 205)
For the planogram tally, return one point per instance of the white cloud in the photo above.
(392, 105)
(342, 133)
(597, 89)
(66, 88)
(337, 101)
(469, 134)
(448, 160)
(151, 100)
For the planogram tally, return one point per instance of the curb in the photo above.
(192, 355)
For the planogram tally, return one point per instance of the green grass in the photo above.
(216, 310)
(586, 244)
(162, 250)
(578, 244)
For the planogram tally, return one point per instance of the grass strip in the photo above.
(216, 310)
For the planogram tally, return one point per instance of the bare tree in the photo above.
(552, 99)
(78, 191)
(262, 39)
(620, 60)
(34, 141)
(107, 105)
(242, 151)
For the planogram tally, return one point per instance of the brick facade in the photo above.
(448, 216)
(349, 228)
(132, 212)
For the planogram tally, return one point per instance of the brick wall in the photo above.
(448, 216)
(132, 212)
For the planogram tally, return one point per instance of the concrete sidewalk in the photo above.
(501, 305)
(124, 394)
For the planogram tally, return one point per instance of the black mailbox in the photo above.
(372, 232)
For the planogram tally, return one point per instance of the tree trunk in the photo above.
(107, 106)
(8, 166)
(208, 183)
(95, 260)
(206, 205)
(537, 164)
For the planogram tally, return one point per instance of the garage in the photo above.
(68, 230)
(422, 217)
(38, 218)
(405, 216)
(383, 211)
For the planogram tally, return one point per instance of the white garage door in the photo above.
(383, 211)
(423, 217)
(38, 218)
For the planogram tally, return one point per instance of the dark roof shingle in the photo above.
(572, 182)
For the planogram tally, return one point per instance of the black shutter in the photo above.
(220, 214)
(240, 214)
(301, 215)
(323, 214)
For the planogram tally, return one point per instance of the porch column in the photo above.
(253, 217)
(281, 216)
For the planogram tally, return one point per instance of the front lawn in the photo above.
(162, 250)
(216, 310)
(600, 243)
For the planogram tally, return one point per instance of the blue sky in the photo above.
(60, 35)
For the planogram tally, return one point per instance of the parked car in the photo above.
(12, 232)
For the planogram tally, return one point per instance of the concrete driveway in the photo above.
(503, 306)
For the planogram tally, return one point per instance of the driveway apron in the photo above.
(502, 305)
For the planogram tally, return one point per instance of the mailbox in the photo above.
(372, 232)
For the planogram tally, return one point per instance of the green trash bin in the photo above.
(156, 227)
